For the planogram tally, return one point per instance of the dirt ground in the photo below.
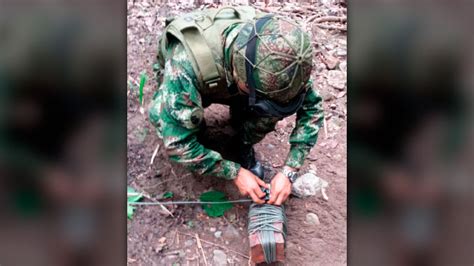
(155, 238)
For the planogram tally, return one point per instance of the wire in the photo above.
(188, 202)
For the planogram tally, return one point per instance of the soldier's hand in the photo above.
(249, 185)
(280, 189)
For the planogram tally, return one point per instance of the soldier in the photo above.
(256, 63)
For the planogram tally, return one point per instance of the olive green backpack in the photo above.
(201, 34)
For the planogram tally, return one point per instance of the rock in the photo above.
(320, 67)
(312, 218)
(334, 125)
(232, 217)
(149, 21)
(308, 185)
(212, 229)
(161, 245)
(327, 95)
(336, 79)
(343, 66)
(218, 234)
(330, 61)
(231, 233)
(281, 125)
(333, 143)
(188, 243)
(312, 157)
(219, 258)
(341, 52)
(341, 94)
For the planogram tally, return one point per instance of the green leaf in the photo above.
(143, 79)
(132, 196)
(130, 210)
(167, 195)
(215, 210)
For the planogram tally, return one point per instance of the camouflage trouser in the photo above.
(251, 128)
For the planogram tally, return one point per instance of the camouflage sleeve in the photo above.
(308, 121)
(177, 113)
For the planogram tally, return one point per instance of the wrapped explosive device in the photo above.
(267, 233)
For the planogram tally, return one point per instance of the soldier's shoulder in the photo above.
(179, 58)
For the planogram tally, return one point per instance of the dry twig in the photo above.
(200, 247)
(331, 19)
(216, 245)
(167, 180)
(330, 27)
(154, 153)
(148, 196)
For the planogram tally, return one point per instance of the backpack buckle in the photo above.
(213, 82)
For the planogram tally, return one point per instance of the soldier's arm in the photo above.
(180, 115)
(309, 120)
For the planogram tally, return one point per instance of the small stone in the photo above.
(219, 258)
(320, 67)
(282, 124)
(336, 79)
(327, 3)
(232, 217)
(149, 21)
(218, 234)
(326, 94)
(212, 229)
(312, 218)
(188, 243)
(341, 52)
(308, 185)
(230, 233)
(343, 66)
(330, 61)
(341, 94)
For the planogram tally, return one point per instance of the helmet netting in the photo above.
(299, 56)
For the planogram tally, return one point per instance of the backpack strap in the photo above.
(202, 56)
(189, 30)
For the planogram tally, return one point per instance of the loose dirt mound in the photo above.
(155, 238)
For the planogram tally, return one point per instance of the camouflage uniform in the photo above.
(178, 107)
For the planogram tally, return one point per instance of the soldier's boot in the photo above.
(249, 162)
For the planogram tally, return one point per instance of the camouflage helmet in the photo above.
(279, 58)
